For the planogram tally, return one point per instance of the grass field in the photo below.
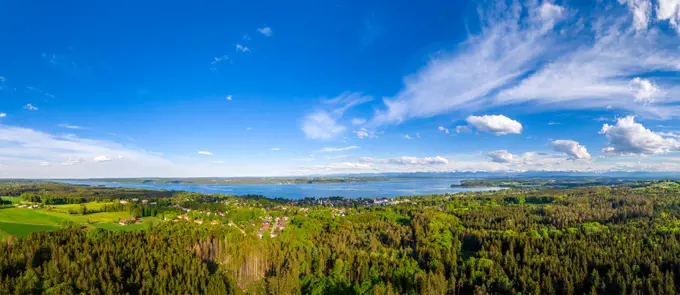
(22, 221)
(22, 229)
(96, 206)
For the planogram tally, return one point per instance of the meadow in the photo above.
(21, 222)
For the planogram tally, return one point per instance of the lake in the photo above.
(377, 189)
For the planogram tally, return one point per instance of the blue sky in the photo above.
(220, 88)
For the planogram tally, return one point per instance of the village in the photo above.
(265, 225)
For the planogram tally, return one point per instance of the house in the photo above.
(145, 201)
(199, 221)
(124, 202)
(214, 222)
(135, 199)
(130, 220)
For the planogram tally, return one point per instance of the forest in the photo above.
(621, 239)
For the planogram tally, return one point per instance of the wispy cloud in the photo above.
(242, 48)
(342, 149)
(443, 129)
(358, 121)
(45, 93)
(407, 137)
(2, 115)
(22, 149)
(267, 31)
(229, 97)
(69, 126)
(462, 129)
(323, 123)
(30, 107)
(205, 153)
(275, 149)
(219, 59)
(363, 133)
(549, 57)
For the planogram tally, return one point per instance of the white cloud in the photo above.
(102, 159)
(323, 124)
(504, 50)
(573, 149)
(205, 153)
(669, 10)
(267, 31)
(275, 149)
(219, 59)
(418, 161)
(228, 97)
(642, 12)
(445, 130)
(45, 164)
(407, 137)
(342, 149)
(242, 48)
(501, 156)
(364, 133)
(72, 161)
(546, 57)
(30, 107)
(69, 126)
(358, 121)
(462, 129)
(2, 115)
(401, 161)
(628, 137)
(554, 123)
(643, 90)
(218, 162)
(497, 124)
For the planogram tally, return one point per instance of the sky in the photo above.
(93, 89)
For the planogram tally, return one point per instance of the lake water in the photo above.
(378, 189)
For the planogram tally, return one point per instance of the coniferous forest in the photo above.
(621, 239)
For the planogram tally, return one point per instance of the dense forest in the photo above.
(622, 239)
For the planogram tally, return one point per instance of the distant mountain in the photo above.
(511, 174)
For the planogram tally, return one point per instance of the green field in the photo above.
(23, 221)
(23, 230)
(92, 206)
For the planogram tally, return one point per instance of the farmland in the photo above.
(21, 222)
